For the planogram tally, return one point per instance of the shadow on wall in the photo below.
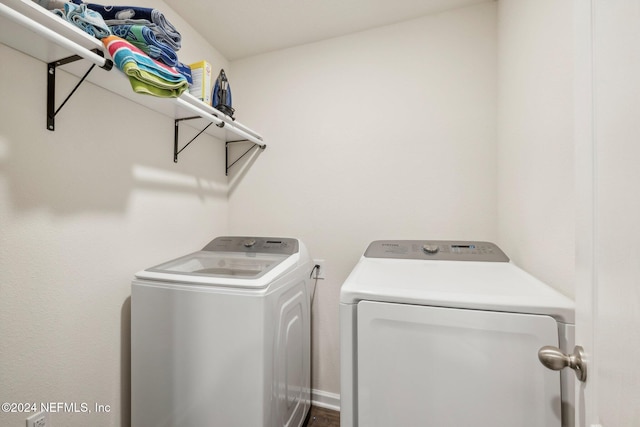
(90, 162)
(243, 161)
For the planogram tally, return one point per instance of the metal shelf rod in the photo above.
(216, 121)
(56, 38)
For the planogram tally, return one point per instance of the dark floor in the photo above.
(321, 417)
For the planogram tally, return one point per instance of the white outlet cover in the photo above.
(40, 419)
(322, 274)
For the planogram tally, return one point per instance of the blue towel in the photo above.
(161, 36)
(125, 13)
(143, 38)
(87, 20)
(185, 70)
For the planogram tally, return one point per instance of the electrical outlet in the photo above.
(321, 272)
(41, 419)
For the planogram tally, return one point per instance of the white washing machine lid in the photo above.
(482, 285)
(245, 262)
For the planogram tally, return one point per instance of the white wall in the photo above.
(81, 210)
(535, 134)
(388, 133)
(612, 392)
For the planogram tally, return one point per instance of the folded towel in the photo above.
(143, 38)
(161, 35)
(145, 75)
(87, 20)
(185, 70)
(134, 12)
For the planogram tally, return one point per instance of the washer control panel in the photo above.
(442, 250)
(264, 245)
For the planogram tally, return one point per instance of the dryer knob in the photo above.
(249, 242)
(430, 249)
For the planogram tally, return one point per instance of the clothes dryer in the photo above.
(446, 334)
(221, 337)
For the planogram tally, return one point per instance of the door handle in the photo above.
(554, 359)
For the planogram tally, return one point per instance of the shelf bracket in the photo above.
(176, 132)
(228, 165)
(51, 85)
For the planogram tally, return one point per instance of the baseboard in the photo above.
(324, 399)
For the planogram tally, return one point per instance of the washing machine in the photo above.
(446, 334)
(221, 337)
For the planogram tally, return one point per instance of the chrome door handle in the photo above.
(554, 359)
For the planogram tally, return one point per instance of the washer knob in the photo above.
(249, 242)
(430, 249)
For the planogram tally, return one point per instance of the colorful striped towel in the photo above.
(145, 75)
(87, 20)
(143, 38)
(109, 13)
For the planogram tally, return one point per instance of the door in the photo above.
(607, 95)
(421, 366)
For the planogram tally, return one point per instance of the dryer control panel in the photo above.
(442, 250)
(247, 244)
